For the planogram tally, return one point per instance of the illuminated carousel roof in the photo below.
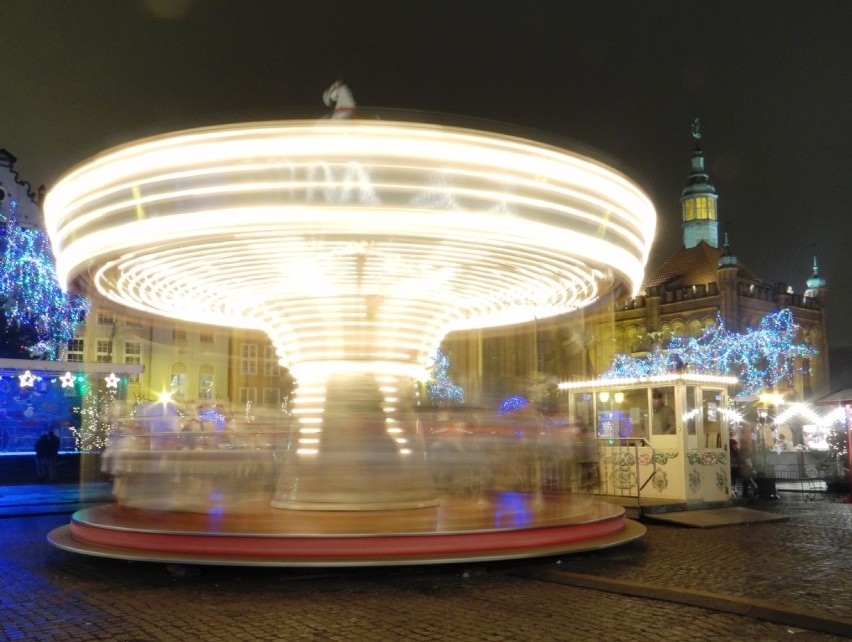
(352, 240)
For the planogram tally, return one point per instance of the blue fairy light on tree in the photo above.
(760, 357)
(440, 386)
(38, 317)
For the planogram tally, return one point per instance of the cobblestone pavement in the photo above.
(804, 562)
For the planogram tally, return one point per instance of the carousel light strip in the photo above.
(355, 246)
(658, 379)
(226, 153)
(133, 164)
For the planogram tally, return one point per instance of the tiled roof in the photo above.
(697, 265)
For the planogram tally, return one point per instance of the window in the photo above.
(271, 396)
(248, 395)
(178, 334)
(663, 419)
(248, 358)
(103, 351)
(132, 349)
(205, 382)
(106, 318)
(178, 381)
(701, 208)
(75, 349)
(270, 362)
(133, 323)
(133, 355)
(206, 337)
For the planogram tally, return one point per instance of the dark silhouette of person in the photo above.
(41, 449)
(52, 455)
(742, 473)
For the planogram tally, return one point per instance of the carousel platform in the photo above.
(499, 526)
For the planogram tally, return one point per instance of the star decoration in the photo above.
(112, 380)
(67, 380)
(27, 379)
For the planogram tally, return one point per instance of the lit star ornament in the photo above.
(67, 380)
(112, 380)
(27, 379)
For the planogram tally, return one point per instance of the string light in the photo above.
(440, 386)
(760, 357)
(97, 420)
(30, 293)
(511, 404)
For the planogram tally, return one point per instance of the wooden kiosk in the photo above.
(639, 456)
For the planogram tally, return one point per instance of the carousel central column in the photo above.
(357, 446)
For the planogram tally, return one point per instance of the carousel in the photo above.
(356, 244)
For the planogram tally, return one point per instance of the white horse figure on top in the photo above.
(339, 94)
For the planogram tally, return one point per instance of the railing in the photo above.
(806, 480)
(809, 480)
(765, 292)
(621, 463)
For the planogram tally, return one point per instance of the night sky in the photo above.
(770, 80)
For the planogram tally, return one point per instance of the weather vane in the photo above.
(696, 129)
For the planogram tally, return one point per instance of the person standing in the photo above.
(52, 453)
(41, 448)
(664, 417)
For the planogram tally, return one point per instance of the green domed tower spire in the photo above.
(698, 201)
(817, 281)
(727, 259)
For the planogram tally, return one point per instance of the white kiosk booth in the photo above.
(640, 454)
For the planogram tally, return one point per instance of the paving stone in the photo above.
(803, 562)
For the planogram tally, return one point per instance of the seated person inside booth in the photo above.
(664, 417)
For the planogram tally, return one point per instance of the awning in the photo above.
(840, 396)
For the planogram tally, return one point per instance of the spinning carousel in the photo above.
(356, 245)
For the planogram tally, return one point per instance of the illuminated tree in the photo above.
(759, 358)
(440, 387)
(38, 317)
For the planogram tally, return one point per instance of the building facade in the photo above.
(703, 282)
